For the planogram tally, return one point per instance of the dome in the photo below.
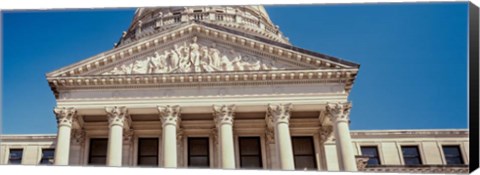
(249, 19)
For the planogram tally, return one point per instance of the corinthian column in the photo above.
(64, 121)
(116, 120)
(169, 115)
(279, 116)
(224, 122)
(339, 114)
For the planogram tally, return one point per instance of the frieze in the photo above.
(195, 57)
(201, 91)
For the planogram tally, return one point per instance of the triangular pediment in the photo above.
(197, 48)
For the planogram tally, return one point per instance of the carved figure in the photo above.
(192, 58)
(195, 55)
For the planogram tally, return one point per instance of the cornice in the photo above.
(346, 76)
(132, 49)
(409, 133)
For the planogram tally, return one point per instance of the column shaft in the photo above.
(278, 116)
(228, 154)
(117, 117)
(169, 141)
(224, 116)
(284, 146)
(339, 114)
(345, 147)
(170, 117)
(62, 149)
(64, 118)
(115, 143)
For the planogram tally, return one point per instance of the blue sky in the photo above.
(413, 58)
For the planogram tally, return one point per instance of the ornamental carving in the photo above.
(169, 114)
(65, 115)
(325, 133)
(117, 115)
(78, 136)
(223, 114)
(362, 162)
(214, 134)
(279, 113)
(338, 111)
(270, 135)
(193, 57)
(128, 135)
(179, 138)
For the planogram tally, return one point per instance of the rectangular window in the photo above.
(250, 152)
(147, 152)
(372, 153)
(452, 154)
(98, 152)
(47, 156)
(304, 153)
(411, 155)
(15, 156)
(198, 152)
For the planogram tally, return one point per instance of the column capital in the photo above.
(65, 115)
(223, 114)
(338, 112)
(169, 115)
(279, 113)
(117, 115)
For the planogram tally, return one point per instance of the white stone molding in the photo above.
(117, 115)
(65, 116)
(338, 112)
(169, 115)
(279, 113)
(223, 114)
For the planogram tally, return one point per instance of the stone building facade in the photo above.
(220, 87)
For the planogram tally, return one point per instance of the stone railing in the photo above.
(170, 20)
(363, 166)
(457, 169)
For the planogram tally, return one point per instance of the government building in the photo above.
(220, 87)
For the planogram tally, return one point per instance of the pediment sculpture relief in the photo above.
(192, 58)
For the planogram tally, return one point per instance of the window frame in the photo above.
(377, 148)
(209, 152)
(462, 159)
(42, 157)
(314, 151)
(9, 158)
(260, 151)
(138, 155)
(419, 151)
(89, 153)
